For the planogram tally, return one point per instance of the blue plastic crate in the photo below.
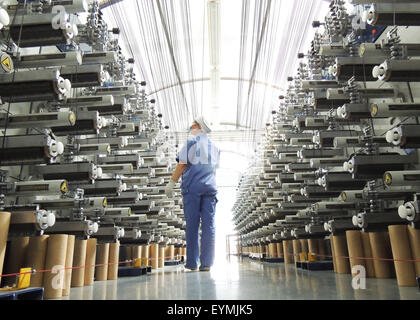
(317, 265)
(131, 272)
(274, 260)
(172, 263)
(23, 294)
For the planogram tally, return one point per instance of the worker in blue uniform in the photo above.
(197, 163)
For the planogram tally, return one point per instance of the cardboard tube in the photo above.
(367, 253)
(333, 254)
(400, 244)
(288, 251)
(272, 250)
(171, 252)
(15, 258)
(296, 249)
(313, 248)
(161, 261)
(23, 217)
(145, 255)
(135, 253)
(35, 258)
(114, 250)
(154, 255)
(380, 249)
(355, 247)
(279, 247)
(90, 261)
(102, 257)
(128, 253)
(304, 249)
(414, 236)
(183, 254)
(4, 231)
(68, 265)
(167, 253)
(322, 247)
(79, 260)
(55, 260)
(340, 249)
(304, 245)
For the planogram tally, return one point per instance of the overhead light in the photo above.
(214, 25)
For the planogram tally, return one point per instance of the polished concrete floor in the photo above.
(248, 280)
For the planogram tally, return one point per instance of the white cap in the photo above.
(205, 126)
(99, 172)
(378, 71)
(60, 147)
(48, 219)
(4, 18)
(365, 16)
(67, 84)
(403, 212)
(75, 30)
(355, 220)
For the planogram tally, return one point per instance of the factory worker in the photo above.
(197, 163)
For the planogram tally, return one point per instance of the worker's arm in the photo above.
(179, 170)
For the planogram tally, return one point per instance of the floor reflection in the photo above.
(247, 279)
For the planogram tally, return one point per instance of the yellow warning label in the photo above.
(374, 110)
(24, 278)
(6, 63)
(63, 187)
(388, 179)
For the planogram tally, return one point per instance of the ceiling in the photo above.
(259, 42)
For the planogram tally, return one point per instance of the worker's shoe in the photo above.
(190, 268)
(204, 268)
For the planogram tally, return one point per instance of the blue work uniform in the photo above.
(199, 197)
